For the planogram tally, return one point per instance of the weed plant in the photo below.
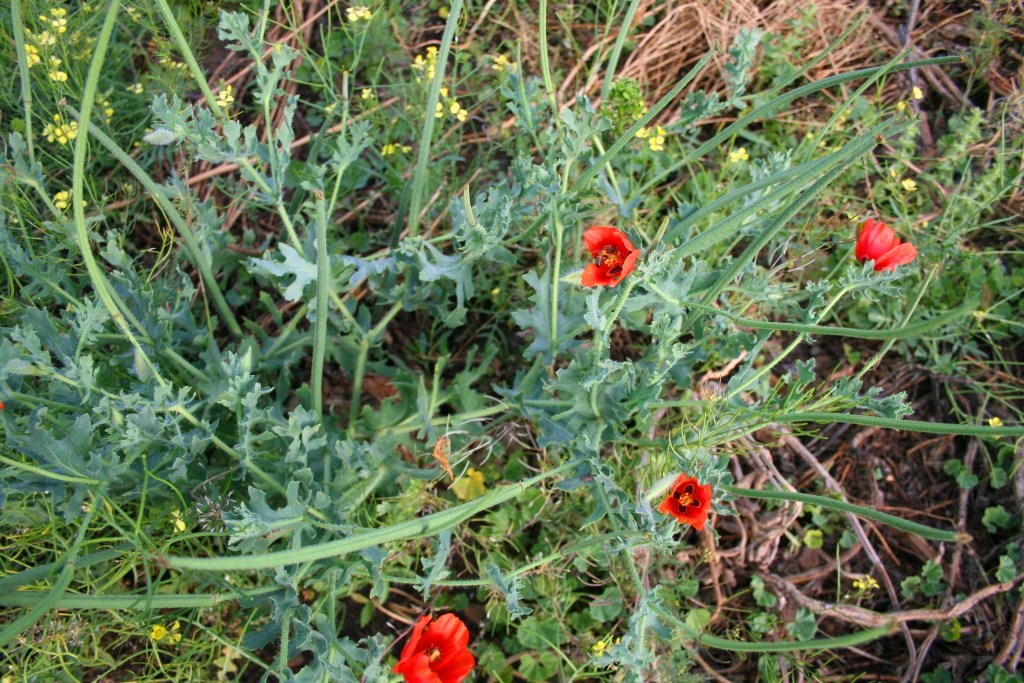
(291, 359)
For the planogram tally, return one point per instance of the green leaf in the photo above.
(996, 518)
(1007, 570)
(294, 264)
(813, 538)
(607, 606)
(436, 567)
(509, 587)
(540, 668)
(535, 633)
(804, 626)
(761, 596)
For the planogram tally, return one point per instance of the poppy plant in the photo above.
(688, 501)
(877, 242)
(614, 256)
(437, 652)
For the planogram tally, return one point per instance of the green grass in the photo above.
(240, 342)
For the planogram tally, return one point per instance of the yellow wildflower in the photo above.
(366, 94)
(358, 13)
(738, 155)
(994, 421)
(456, 110)
(908, 184)
(598, 648)
(901, 105)
(60, 132)
(108, 111)
(56, 20)
(656, 142)
(32, 53)
(62, 199)
(443, 12)
(394, 148)
(501, 64)
(171, 636)
(225, 97)
(866, 584)
(916, 93)
(44, 39)
(427, 64)
(55, 73)
(179, 523)
(135, 88)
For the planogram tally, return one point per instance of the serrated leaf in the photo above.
(294, 264)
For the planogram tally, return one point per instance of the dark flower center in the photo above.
(685, 497)
(609, 257)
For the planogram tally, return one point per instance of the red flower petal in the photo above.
(901, 255)
(615, 256)
(437, 652)
(694, 513)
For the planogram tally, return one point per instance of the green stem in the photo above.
(427, 525)
(767, 367)
(914, 330)
(323, 286)
(851, 640)
(908, 425)
(191, 242)
(545, 64)
(866, 512)
(620, 41)
(23, 74)
(186, 52)
(419, 180)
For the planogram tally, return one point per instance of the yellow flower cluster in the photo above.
(866, 584)
(452, 106)
(501, 64)
(135, 88)
(367, 95)
(995, 421)
(393, 148)
(61, 132)
(108, 111)
(32, 52)
(908, 184)
(655, 138)
(172, 63)
(225, 97)
(426, 65)
(55, 72)
(357, 13)
(161, 633)
(738, 155)
(62, 200)
(57, 19)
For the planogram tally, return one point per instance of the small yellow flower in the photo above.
(62, 199)
(32, 53)
(135, 88)
(60, 132)
(394, 148)
(994, 421)
(643, 133)
(866, 584)
(916, 94)
(443, 12)
(366, 94)
(171, 636)
(656, 142)
(738, 155)
(56, 20)
(225, 97)
(427, 64)
(501, 64)
(900, 106)
(439, 111)
(598, 648)
(456, 110)
(908, 184)
(44, 39)
(55, 73)
(357, 13)
(179, 523)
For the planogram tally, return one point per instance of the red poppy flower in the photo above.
(688, 501)
(877, 242)
(436, 652)
(614, 256)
